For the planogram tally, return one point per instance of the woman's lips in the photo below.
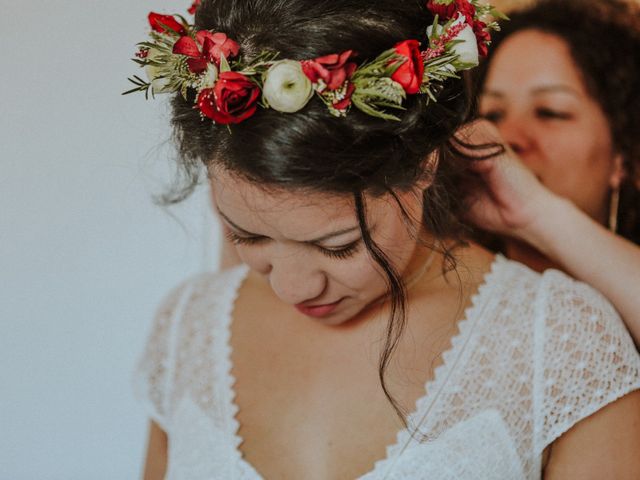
(318, 311)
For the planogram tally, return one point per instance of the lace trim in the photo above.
(225, 366)
(442, 372)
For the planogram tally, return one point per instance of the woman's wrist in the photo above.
(552, 224)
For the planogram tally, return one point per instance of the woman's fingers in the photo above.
(507, 198)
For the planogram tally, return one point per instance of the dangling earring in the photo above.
(613, 209)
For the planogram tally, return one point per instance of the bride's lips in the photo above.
(317, 311)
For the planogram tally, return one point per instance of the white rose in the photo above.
(467, 45)
(286, 88)
(467, 49)
(158, 85)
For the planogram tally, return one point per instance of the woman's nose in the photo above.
(515, 132)
(295, 280)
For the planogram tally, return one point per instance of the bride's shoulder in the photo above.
(560, 309)
(561, 299)
(552, 290)
(581, 356)
(584, 354)
(570, 321)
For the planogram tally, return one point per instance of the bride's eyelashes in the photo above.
(341, 253)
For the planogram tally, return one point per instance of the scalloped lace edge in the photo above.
(469, 318)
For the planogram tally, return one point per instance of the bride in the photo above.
(364, 336)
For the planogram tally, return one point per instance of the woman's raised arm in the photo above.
(511, 201)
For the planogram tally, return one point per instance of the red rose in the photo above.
(163, 23)
(467, 9)
(447, 12)
(194, 6)
(483, 36)
(207, 47)
(444, 11)
(232, 100)
(215, 45)
(333, 69)
(410, 73)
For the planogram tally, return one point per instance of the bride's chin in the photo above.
(360, 313)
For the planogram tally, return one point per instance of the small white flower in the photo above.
(467, 49)
(159, 84)
(210, 76)
(466, 46)
(286, 87)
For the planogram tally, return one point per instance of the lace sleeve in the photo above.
(585, 357)
(153, 372)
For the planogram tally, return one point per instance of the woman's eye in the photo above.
(494, 116)
(238, 240)
(547, 113)
(341, 253)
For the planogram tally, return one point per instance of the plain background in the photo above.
(85, 255)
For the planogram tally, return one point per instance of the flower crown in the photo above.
(180, 58)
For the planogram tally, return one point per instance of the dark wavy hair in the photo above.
(604, 40)
(313, 151)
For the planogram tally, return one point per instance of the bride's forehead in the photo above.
(239, 196)
(239, 193)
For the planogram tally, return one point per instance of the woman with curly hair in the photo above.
(365, 335)
(561, 86)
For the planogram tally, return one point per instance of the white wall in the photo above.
(85, 256)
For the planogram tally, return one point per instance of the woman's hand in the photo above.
(509, 200)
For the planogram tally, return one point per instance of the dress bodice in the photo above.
(534, 355)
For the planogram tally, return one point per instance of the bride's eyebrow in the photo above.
(321, 239)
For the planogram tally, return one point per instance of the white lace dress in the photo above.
(535, 354)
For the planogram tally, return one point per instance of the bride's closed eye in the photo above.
(342, 252)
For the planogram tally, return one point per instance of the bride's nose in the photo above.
(294, 279)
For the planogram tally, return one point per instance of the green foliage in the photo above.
(375, 90)
(141, 86)
(372, 95)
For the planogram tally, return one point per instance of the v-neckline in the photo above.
(450, 359)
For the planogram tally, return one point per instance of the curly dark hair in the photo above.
(312, 150)
(604, 40)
